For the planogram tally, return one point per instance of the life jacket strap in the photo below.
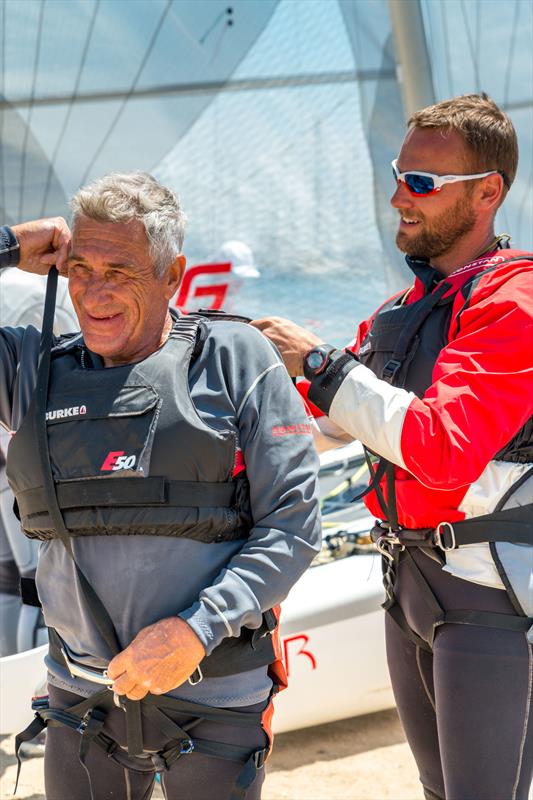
(113, 492)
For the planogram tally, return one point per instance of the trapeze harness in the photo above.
(406, 341)
(63, 493)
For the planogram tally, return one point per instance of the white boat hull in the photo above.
(20, 677)
(333, 640)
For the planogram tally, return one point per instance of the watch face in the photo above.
(315, 359)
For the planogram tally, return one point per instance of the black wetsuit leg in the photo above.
(191, 777)
(465, 707)
(411, 672)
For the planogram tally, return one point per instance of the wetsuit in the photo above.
(441, 387)
(240, 391)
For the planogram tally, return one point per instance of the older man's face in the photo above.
(121, 305)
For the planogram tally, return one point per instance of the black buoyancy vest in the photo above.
(404, 342)
(129, 452)
(130, 455)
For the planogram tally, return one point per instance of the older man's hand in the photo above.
(43, 243)
(292, 341)
(161, 657)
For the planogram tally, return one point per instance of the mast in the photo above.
(413, 64)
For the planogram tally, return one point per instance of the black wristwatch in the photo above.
(316, 360)
(9, 248)
(326, 367)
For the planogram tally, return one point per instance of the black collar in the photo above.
(428, 275)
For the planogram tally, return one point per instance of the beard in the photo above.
(442, 233)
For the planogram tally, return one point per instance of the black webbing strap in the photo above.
(488, 619)
(150, 491)
(98, 611)
(88, 719)
(92, 728)
(409, 331)
(388, 506)
(171, 729)
(29, 733)
(212, 713)
(28, 591)
(392, 509)
(134, 734)
(514, 525)
(395, 612)
(509, 525)
(375, 480)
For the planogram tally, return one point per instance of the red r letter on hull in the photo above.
(303, 638)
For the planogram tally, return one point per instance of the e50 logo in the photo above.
(116, 460)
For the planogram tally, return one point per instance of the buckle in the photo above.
(93, 675)
(438, 536)
(118, 699)
(83, 723)
(259, 757)
(186, 746)
(193, 680)
(384, 544)
(40, 703)
(391, 368)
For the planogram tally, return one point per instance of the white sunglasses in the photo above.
(422, 184)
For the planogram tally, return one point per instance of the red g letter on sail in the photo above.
(217, 291)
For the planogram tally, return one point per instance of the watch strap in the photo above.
(9, 248)
(324, 387)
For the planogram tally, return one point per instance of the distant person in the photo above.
(438, 385)
(240, 256)
(173, 520)
(217, 283)
(21, 304)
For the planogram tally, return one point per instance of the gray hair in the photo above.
(127, 196)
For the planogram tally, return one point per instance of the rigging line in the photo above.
(30, 109)
(221, 36)
(507, 83)
(228, 11)
(471, 46)
(447, 56)
(209, 87)
(122, 106)
(70, 106)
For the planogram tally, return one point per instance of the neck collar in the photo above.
(430, 276)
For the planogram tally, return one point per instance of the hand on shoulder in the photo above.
(292, 340)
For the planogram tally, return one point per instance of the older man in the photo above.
(439, 385)
(173, 519)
